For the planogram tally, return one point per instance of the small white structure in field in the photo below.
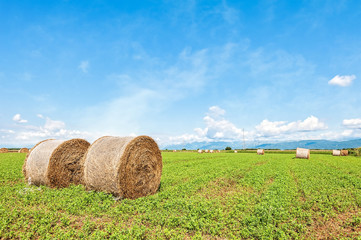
(218, 151)
(211, 151)
(260, 151)
(235, 151)
(336, 153)
(303, 153)
(174, 150)
(206, 150)
(200, 151)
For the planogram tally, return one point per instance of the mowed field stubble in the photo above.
(202, 196)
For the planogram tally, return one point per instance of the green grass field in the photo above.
(202, 196)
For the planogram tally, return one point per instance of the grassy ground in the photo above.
(202, 196)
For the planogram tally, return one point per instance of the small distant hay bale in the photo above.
(218, 151)
(211, 151)
(127, 167)
(235, 151)
(200, 151)
(174, 150)
(23, 150)
(55, 163)
(303, 153)
(336, 153)
(344, 152)
(260, 151)
(4, 150)
(206, 151)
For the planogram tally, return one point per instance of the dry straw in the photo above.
(23, 150)
(344, 152)
(260, 151)
(336, 153)
(127, 167)
(303, 153)
(4, 150)
(55, 163)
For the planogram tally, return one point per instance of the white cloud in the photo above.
(84, 66)
(27, 135)
(217, 128)
(352, 123)
(342, 81)
(268, 128)
(17, 118)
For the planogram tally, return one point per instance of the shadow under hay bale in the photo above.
(4, 150)
(127, 167)
(23, 150)
(55, 163)
(303, 153)
(260, 151)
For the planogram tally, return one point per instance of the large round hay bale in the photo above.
(200, 151)
(55, 163)
(260, 151)
(23, 150)
(344, 152)
(303, 153)
(127, 167)
(4, 150)
(336, 153)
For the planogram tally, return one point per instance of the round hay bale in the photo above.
(336, 153)
(127, 167)
(235, 151)
(55, 163)
(260, 151)
(200, 151)
(344, 152)
(303, 153)
(4, 150)
(206, 151)
(23, 150)
(211, 151)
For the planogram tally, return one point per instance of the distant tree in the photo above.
(183, 149)
(228, 148)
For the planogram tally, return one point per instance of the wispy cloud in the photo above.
(17, 118)
(84, 66)
(342, 81)
(147, 92)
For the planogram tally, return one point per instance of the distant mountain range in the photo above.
(311, 144)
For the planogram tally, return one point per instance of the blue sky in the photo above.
(180, 71)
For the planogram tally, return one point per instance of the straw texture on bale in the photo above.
(303, 153)
(23, 150)
(3, 150)
(344, 152)
(336, 153)
(206, 150)
(260, 151)
(211, 151)
(55, 163)
(127, 167)
(200, 151)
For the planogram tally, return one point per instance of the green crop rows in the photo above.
(202, 196)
